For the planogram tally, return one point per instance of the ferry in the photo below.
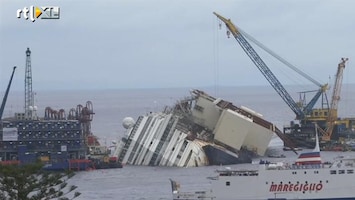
(308, 178)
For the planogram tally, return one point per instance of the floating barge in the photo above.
(59, 141)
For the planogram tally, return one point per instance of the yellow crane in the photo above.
(305, 113)
(333, 110)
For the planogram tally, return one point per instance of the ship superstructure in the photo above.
(198, 130)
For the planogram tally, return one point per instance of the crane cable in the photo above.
(347, 96)
(216, 57)
(278, 57)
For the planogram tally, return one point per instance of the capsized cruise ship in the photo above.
(197, 131)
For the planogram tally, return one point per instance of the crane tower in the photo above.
(29, 102)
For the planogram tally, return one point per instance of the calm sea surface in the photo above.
(152, 183)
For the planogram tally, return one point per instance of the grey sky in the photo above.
(173, 43)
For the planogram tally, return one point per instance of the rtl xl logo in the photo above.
(36, 12)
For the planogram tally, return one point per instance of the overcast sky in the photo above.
(106, 44)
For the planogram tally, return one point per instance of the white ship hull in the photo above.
(307, 178)
(317, 183)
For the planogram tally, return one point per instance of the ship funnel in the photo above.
(316, 148)
(311, 158)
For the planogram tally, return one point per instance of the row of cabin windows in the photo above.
(298, 182)
(316, 113)
(305, 172)
(44, 126)
(342, 171)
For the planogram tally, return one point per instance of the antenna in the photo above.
(29, 103)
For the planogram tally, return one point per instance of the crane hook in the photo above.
(344, 59)
(228, 34)
(220, 26)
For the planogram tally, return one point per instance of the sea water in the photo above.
(152, 183)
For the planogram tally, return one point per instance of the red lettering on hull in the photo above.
(290, 187)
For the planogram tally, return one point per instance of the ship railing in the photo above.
(237, 172)
(295, 166)
(314, 166)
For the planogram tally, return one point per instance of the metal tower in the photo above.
(29, 103)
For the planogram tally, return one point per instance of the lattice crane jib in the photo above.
(264, 69)
(2, 107)
(29, 102)
(333, 111)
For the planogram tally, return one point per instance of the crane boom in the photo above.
(337, 84)
(275, 83)
(6, 94)
(332, 114)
